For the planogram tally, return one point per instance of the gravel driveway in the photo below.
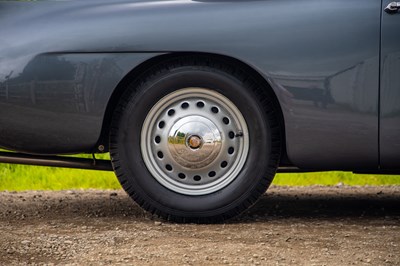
(289, 226)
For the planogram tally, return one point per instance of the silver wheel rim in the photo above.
(194, 141)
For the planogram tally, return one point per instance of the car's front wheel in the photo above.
(193, 142)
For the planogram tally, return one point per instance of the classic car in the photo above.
(201, 102)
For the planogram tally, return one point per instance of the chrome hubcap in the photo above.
(194, 141)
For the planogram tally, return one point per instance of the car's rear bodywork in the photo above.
(62, 65)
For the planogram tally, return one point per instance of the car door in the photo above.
(390, 87)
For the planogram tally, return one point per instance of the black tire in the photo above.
(207, 206)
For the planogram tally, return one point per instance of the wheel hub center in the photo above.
(194, 141)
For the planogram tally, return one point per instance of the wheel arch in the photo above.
(142, 68)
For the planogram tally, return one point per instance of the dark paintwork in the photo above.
(62, 60)
(57, 104)
(390, 92)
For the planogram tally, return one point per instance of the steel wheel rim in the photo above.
(194, 141)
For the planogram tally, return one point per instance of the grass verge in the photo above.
(334, 178)
(22, 177)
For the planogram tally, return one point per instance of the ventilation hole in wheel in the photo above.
(197, 178)
(158, 139)
(181, 175)
(168, 167)
(161, 124)
(211, 174)
(215, 110)
(224, 164)
(231, 150)
(200, 104)
(171, 112)
(184, 105)
(231, 134)
(160, 154)
(225, 120)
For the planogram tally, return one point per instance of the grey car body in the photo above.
(333, 67)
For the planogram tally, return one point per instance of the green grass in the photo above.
(334, 178)
(22, 177)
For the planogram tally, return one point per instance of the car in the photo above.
(201, 102)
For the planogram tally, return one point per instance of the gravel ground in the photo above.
(289, 226)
